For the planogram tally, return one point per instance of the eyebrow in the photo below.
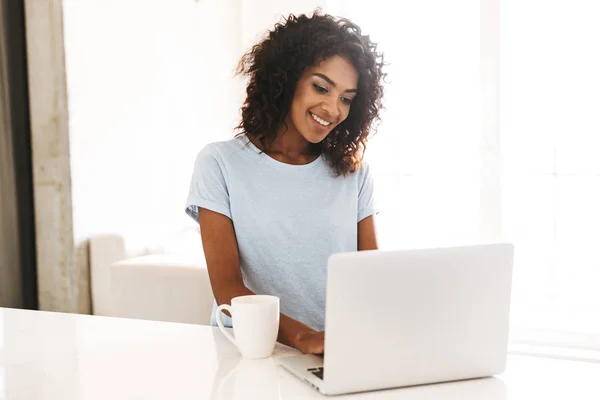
(332, 83)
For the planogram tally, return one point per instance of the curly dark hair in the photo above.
(274, 66)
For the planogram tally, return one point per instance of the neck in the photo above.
(289, 147)
(290, 143)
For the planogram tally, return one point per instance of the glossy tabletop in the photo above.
(65, 356)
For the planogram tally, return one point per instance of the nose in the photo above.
(330, 107)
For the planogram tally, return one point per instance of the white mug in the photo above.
(255, 320)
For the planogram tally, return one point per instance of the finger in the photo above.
(318, 347)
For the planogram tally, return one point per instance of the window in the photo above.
(491, 133)
(549, 91)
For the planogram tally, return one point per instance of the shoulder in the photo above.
(363, 171)
(364, 177)
(223, 152)
(221, 149)
(363, 167)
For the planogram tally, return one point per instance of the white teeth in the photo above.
(319, 120)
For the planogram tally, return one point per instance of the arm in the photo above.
(223, 264)
(367, 237)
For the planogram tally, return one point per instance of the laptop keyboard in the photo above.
(318, 372)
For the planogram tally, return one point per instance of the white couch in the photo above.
(163, 287)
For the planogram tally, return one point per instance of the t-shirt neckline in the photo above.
(276, 163)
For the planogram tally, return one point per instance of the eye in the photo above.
(346, 101)
(319, 88)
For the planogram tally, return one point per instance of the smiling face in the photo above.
(322, 99)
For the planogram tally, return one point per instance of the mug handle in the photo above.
(220, 323)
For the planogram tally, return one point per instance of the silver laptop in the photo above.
(403, 318)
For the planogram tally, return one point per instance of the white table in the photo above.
(62, 356)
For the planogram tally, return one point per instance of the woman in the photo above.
(291, 188)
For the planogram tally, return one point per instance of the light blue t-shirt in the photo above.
(288, 220)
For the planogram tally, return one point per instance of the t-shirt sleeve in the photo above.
(208, 188)
(366, 193)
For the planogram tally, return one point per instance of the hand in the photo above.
(310, 342)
